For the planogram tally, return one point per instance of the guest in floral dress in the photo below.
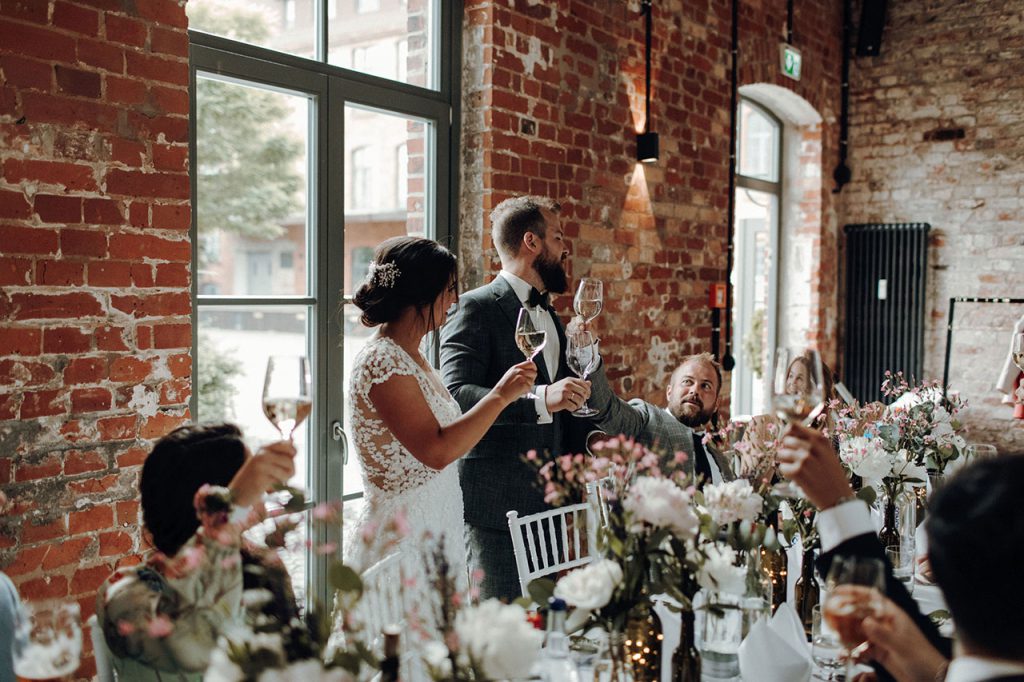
(161, 619)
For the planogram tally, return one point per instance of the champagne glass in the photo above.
(854, 587)
(1018, 350)
(581, 356)
(825, 647)
(529, 339)
(589, 298)
(796, 396)
(287, 399)
(47, 640)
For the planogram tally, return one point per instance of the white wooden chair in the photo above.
(555, 540)
(104, 668)
(382, 602)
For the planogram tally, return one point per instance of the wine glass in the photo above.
(854, 587)
(529, 339)
(581, 356)
(1018, 350)
(287, 399)
(825, 647)
(589, 298)
(796, 396)
(47, 640)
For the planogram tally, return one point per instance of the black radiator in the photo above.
(886, 266)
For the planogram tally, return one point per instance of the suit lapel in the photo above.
(510, 305)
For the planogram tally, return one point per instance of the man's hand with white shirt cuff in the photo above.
(806, 457)
(846, 520)
(540, 404)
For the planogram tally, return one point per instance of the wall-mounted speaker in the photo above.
(872, 23)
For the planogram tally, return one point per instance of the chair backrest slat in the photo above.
(557, 533)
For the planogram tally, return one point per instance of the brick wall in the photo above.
(552, 99)
(94, 268)
(937, 136)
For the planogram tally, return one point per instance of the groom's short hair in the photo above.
(705, 357)
(975, 530)
(514, 217)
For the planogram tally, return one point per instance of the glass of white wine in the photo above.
(797, 396)
(287, 397)
(1018, 350)
(581, 356)
(529, 339)
(589, 298)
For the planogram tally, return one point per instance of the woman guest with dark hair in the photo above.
(407, 429)
(198, 488)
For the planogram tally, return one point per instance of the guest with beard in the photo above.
(477, 348)
(692, 395)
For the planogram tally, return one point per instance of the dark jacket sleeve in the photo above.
(868, 546)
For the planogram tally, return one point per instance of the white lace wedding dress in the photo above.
(393, 479)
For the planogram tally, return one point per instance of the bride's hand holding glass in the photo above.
(516, 382)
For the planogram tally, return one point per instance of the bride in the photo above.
(407, 429)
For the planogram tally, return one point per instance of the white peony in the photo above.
(732, 501)
(499, 639)
(661, 503)
(866, 457)
(719, 572)
(903, 465)
(435, 655)
(590, 587)
(222, 669)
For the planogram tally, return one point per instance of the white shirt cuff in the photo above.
(838, 524)
(239, 514)
(539, 403)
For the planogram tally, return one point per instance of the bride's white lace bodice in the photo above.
(393, 478)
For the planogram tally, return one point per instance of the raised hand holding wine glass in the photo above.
(287, 396)
(589, 298)
(797, 395)
(1018, 350)
(582, 357)
(854, 587)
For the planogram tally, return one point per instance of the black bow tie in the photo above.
(538, 299)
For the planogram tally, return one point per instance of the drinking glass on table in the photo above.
(854, 587)
(529, 339)
(287, 396)
(797, 396)
(589, 298)
(47, 641)
(581, 356)
(903, 560)
(825, 648)
(981, 451)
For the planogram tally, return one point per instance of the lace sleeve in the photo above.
(379, 362)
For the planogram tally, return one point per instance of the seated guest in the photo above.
(161, 620)
(692, 394)
(845, 527)
(975, 529)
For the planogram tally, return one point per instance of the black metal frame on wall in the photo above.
(949, 330)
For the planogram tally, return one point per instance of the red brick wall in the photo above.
(94, 268)
(949, 66)
(552, 95)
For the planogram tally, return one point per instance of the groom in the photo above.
(477, 347)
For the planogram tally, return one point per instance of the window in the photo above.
(280, 161)
(364, 6)
(332, 10)
(289, 13)
(362, 169)
(754, 275)
(402, 175)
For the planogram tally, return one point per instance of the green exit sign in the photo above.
(791, 61)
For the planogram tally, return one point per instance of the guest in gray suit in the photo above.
(477, 347)
(692, 394)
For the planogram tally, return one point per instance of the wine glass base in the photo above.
(585, 411)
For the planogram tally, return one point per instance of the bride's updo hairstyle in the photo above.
(405, 271)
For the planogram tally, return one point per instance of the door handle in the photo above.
(339, 435)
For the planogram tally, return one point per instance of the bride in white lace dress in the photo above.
(407, 429)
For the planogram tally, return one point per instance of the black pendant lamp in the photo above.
(647, 141)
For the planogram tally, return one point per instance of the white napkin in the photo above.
(777, 650)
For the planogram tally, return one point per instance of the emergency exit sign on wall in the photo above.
(791, 61)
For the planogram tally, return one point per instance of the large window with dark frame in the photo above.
(304, 158)
(754, 275)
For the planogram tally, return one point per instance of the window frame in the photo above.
(332, 88)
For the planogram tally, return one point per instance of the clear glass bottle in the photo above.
(558, 665)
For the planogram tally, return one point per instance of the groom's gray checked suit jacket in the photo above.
(477, 348)
(653, 426)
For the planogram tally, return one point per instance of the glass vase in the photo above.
(686, 661)
(756, 601)
(899, 517)
(807, 592)
(723, 632)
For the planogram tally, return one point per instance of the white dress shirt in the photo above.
(552, 347)
(716, 473)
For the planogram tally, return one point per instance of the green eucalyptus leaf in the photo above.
(344, 578)
(541, 590)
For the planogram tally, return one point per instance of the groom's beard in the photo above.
(552, 274)
(691, 413)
